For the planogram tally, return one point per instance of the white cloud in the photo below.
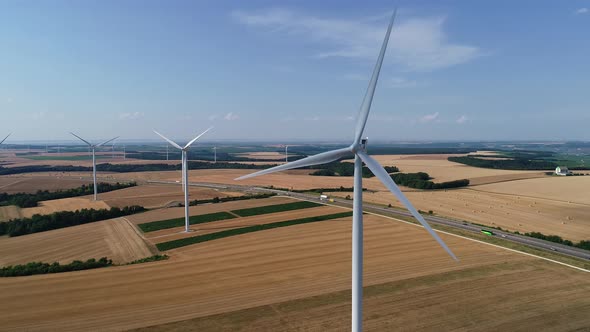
(418, 44)
(231, 116)
(400, 82)
(429, 117)
(131, 116)
(312, 118)
(462, 119)
(582, 11)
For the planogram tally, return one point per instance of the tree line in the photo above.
(127, 168)
(584, 244)
(25, 200)
(41, 223)
(43, 268)
(346, 169)
(512, 164)
(421, 180)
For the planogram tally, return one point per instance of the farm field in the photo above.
(13, 184)
(116, 239)
(442, 170)
(575, 189)
(304, 271)
(512, 212)
(261, 155)
(48, 207)
(159, 195)
(64, 204)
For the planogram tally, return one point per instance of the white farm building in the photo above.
(562, 170)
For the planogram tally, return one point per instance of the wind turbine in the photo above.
(184, 172)
(286, 154)
(5, 138)
(215, 155)
(358, 148)
(93, 147)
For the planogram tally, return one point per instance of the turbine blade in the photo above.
(196, 138)
(382, 175)
(169, 141)
(320, 158)
(105, 142)
(366, 105)
(5, 138)
(83, 140)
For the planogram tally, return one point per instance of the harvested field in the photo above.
(13, 184)
(515, 213)
(64, 204)
(9, 212)
(156, 195)
(116, 239)
(575, 189)
(442, 170)
(407, 274)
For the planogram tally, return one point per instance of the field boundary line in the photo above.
(154, 250)
(463, 237)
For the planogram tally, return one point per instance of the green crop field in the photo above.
(177, 222)
(275, 208)
(237, 231)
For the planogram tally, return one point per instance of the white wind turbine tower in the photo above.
(357, 148)
(215, 155)
(184, 164)
(93, 147)
(286, 153)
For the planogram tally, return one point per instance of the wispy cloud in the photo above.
(131, 116)
(429, 117)
(583, 10)
(212, 117)
(231, 116)
(462, 119)
(418, 44)
(312, 118)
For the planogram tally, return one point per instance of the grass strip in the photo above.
(177, 222)
(275, 208)
(237, 231)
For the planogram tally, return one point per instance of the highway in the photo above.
(394, 212)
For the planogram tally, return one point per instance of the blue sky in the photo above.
(455, 70)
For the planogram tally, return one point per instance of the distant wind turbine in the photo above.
(184, 172)
(286, 153)
(93, 147)
(5, 138)
(358, 148)
(215, 155)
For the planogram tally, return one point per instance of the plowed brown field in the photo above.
(489, 289)
(116, 239)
